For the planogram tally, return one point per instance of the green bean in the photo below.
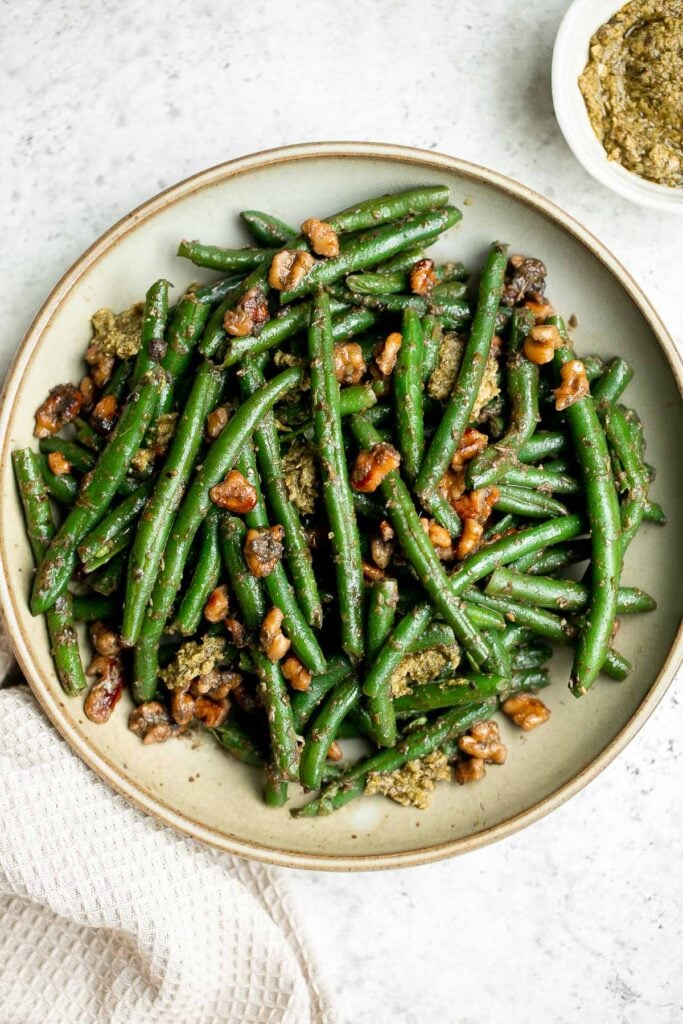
(204, 579)
(365, 251)
(381, 615)
(355, 399)
(540, 563)
(458, 411)
(220, 458)
(121, 542)
(445, 514)
(184, 331)
(506, 522)
(323, 729)
(616, 665)
(266, 229)
(214, 334)
(152, 331)
(378, 283)
(237, 741)
(91, 607)
(62, 488)
(562, 595)
(448, 693)
(592, 455)
(396, 647)
(484, 618)
(594, 367)
(522, 501)
(547, 624)
(408, 394)
(531, 656)
(40, 529)
(374, 212)
(454, 312)
(613, 382)
(516, 636)
(304, 642)
(100, 540)
(298, 554)
(437, 634)
(530, 679)
(304, 702)
(447, 290)
(214, 257)
(80, 458)
(217, 291)
(509, 549)
(95, 495)
(86, 436)
(620, 438)
(335, 482)
(285, 325)
(249, 594)
(275, 789)
(108, 578)
(118, 383)
(156, 519)
(419, 551)
(654, 513)
(402, 261)
(544, 444)
(544, 480)
(417, 745)
(432, 333)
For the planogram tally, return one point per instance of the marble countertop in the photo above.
(579, 918)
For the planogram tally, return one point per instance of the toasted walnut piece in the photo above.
(524, 275)
(118, 333)
(477, 504)
(216, 421)
(349, 364)
(216, 607)
(472, 444)
(372, 465)
(381, 552)
(215, 684)
(452, 485)
(371, 573)
(322, 236)
(263, 549)
(105, 414)
(288, 268)
(87, 390)
(58, 463)
(234, 493)
(273, 641)
(236, 631)
(422, 277)
(540, 308)
(101, 364)
(335, 752)
(574, 384)
(151, 722)
(413, 784)
(250, 312)
(297, 675)
(483, 741)
(211, 712)
(59, 408)
(104, 640)
(386, 352)
(106, 692)
(470, 539)
(540, 345)
(469, 769)
(526, 710)
(386, 531)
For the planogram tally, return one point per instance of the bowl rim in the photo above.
(572, 116)
(52, 704)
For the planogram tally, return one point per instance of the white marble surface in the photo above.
(104, 102)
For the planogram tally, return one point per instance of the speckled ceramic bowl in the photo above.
(189, 784)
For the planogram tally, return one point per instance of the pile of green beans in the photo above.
(395, 627)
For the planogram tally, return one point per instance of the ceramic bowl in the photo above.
(570, 55)
(189, 783)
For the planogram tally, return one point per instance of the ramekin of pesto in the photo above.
(632, 86)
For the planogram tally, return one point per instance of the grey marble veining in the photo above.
(580, 918)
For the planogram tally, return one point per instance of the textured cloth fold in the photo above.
(107, 916)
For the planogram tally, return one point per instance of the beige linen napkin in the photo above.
(107, 917)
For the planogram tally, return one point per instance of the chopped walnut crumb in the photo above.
(322, 236)
(422, 277)
(440, 538)
(526, 710)
(381, 552)
(574, 384)
(413, 784)
(335, 752)
(469, 540)
(288, 268)
(525, 276)
(386, 531)
(445, 374)
(193, 659)
(541, 309)
(386, 353)
(87, 390)
(234, 493)
(372, 465)
(250, 312)
(273, 641)
(216, 421)
(300, 474)
(59, 408)
(483, 741)
(118, 333)
(263, 549)
(105, 414)
(101, 364)
(236, 631)
(151, 722)
(216, 607)
(349, 363)
(469, 769)
(106, 692)
(472, 444)
(104, 640)
(58, 463)
(371, 572)
(296, 674)
(452, 485)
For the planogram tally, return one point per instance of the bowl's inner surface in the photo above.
(191, 776)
